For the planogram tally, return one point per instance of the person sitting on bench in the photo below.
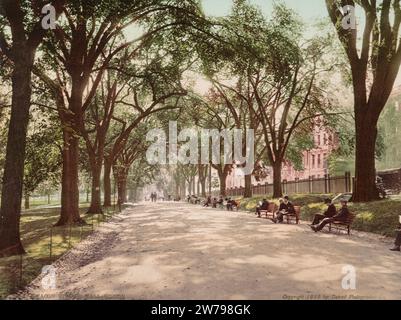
(286, 207)
(234, 204)
(329, 213)
(397, 243)
(341, 216)
(214, 203)
(263, 206)
(208, 201)
(229, 204)
(221, 201)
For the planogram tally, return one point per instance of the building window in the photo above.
(313, 161)
(319, 160)
(325, 139)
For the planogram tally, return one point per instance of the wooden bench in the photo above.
(236, 207)
(293, 216)
(271, 211)
(343, 225)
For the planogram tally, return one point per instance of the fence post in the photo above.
(348, 181)
(329, 182)
(310, 184)
(20, 271)
(51, 243)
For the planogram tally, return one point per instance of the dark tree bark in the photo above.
(22, 54)
(223, 183)
(107, 183)
(365, 167)
(277, 186)
(248, 186)
(11, 196)
(95, 205)
(374, 68)
(69, 213)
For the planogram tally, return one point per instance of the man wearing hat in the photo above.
(341, 216)
(263, 206)
(329, 213)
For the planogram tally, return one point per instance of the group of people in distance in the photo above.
(153, 197)
(230, 203)
(193, 199)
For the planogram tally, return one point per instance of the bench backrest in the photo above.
(272, 207)
(297, 210)
(350, 218)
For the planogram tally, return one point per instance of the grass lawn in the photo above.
(36, 226)
(379, 217)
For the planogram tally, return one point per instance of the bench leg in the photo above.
(329, 227)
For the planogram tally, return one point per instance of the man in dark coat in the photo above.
(264, 206)
(286, 207)
(329, 213)
(341, 216)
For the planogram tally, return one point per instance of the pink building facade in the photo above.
(315, 162)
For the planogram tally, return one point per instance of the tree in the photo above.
(43, 156)
(23, 19)
(133, 150)
(374, 62)
(82, 49)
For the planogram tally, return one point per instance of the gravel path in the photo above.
(180, 251)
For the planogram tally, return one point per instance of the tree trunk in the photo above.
(69, 189)
(95, 206)
(223, 184)
(107, 183)
(11, 196)
(203, 188)
(248, 186)
(365, 170)
(122, 191)
(26, 202)
(277, 186)
(48, 199)
(210, 179)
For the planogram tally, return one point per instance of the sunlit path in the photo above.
(180, 251)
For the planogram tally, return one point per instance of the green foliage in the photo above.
(379, 217)
(389, 127)
(43, 155)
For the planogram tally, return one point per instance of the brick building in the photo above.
(315, 162)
